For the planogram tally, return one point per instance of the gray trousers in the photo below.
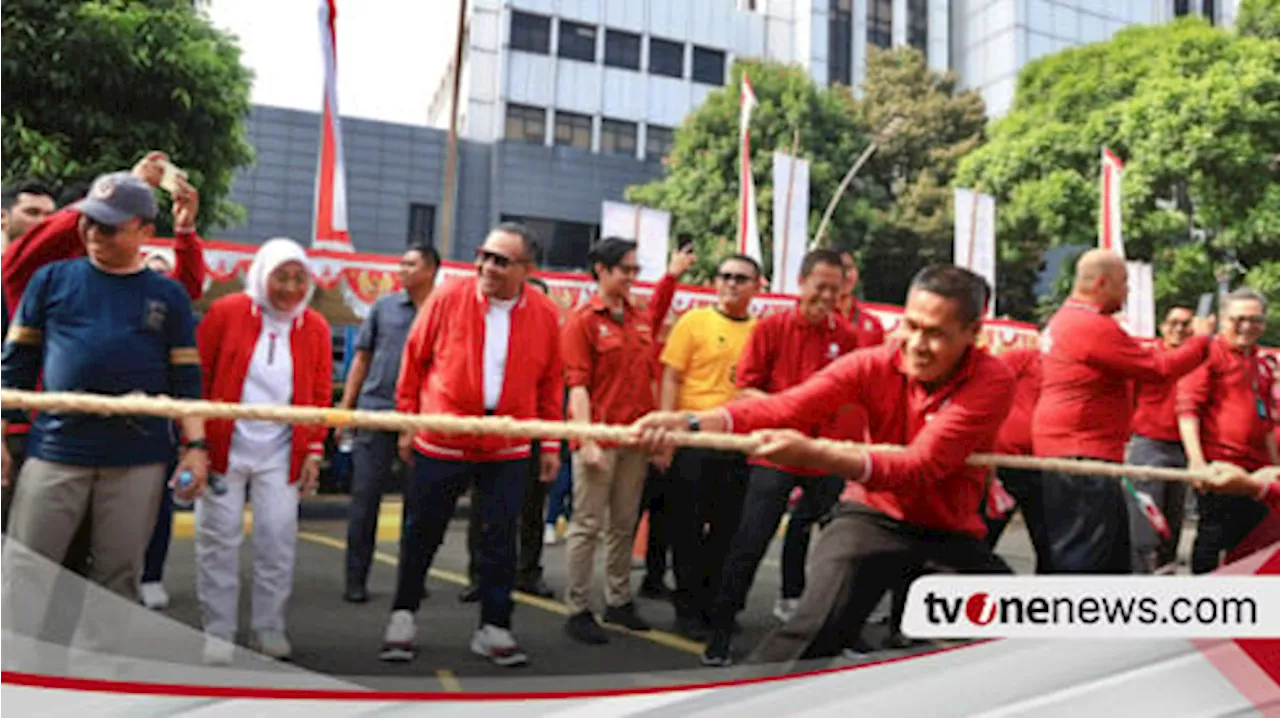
(1150, 551)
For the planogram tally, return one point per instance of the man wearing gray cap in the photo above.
(101, 324)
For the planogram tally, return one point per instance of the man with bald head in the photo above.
(1085, 409)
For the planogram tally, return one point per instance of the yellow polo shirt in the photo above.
(704, 347)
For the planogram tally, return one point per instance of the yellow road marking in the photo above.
(449, 681)
(662, 638)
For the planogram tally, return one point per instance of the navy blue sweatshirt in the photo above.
(89, 331)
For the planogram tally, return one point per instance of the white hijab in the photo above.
(271, 255)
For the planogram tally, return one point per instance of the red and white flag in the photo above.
(748, 228)
(1109, 234)
(330, 223)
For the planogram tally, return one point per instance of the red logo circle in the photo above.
(980, 609)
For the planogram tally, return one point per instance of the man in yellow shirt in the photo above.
(704, 498)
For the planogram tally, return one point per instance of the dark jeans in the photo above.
(560, 496)
(704, 502)
(431, 496)
(860, 554)
(158, 546)
(1087, 524)
(1026, 487)
(529, 559)
(1224, 521)
(1150, 550)
(373, 455)
(654, 502)
(766, 501)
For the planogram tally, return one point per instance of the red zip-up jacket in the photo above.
(226, 338)
(928, 484)
(783, 351)
(1015, 432)
(1231, 396)
(442, 371)
(1155, 413)
(1085, 401)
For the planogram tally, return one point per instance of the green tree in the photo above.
(91, 85)
(1190, 108)
(1260, 18)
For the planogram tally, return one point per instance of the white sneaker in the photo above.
(397, 642)
(154, 596)
(271, 643)
(498, 645)
(218, 651)
(549, 535)
(785, 608)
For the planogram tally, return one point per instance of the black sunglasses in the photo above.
(501, 261)
(732, 278)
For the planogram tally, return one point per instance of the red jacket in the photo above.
(1085, 403)
(1154, 413)
(1015, 432)
(783, 351)
(928, 484)
(442, 371)
(226, 338)
(1231, 396)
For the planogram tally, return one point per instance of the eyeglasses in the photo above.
(629, 269)
(732, 278)
(1248, 319)
(501, 261)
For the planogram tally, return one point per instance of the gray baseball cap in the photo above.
(117, 196)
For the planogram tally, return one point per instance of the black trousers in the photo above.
(654, 502)
(372, 456)
(768, 490)
(1086, 521)
(1224, 522)
(704, 502)
(528, 532)
(1026, 487)
(860, 554)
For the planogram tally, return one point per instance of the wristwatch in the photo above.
(200, 444)
(694, 424)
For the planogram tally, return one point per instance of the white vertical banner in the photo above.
(748, 223)
(1140, 305)
(649, 228)
(1110, 235)
(975, 236)
(790, 221)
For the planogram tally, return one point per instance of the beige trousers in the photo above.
(606, 501)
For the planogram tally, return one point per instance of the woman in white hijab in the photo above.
(262, 346)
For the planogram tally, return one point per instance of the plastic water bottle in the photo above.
(185, 479)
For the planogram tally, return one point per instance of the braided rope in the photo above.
(144, 405)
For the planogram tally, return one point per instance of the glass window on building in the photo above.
(840, 41)
(422, 224)
(573, 130)
(564, 245)
(531, 33)
(1181, 7)
(658, 141)
(918, 25)
(880, 22)
(621, 49)
(577, 41)
(1208, 10)
(526, 124)
(618, 137)
(708, 66)
(666, 58)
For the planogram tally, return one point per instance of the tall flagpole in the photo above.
(451, 153)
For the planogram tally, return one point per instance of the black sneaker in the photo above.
(537, 588)
(692, 627)
(356, 594)
(718, 650)
(582, 627)
(470, 594)
(626, 616)
(655, 590)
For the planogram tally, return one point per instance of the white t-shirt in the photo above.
(269, 381)
(497, 335)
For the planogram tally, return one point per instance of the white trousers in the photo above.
(219, 531)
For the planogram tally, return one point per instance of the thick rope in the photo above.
(144, 405)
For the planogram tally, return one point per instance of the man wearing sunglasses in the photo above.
(1225, 414)
(704, 498)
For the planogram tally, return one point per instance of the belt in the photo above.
(490, 412)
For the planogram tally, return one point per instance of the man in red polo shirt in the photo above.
(1155, 442)
(931, 389)
(784, 349)
(869, 329)
(1084, 413)
(1225, 414)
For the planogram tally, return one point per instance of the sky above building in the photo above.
(391, 53)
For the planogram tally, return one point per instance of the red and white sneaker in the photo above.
(397, 643)
(498, 645)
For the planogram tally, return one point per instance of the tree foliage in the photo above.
(1190, 109)
(1259, 18)
(91, 85)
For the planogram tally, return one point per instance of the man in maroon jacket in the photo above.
(932, 390)
(1084, 413)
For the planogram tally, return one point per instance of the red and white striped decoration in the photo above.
(1109, 234)
(330, 224)
(748, 228)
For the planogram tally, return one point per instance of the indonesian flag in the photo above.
(748, 229)
(1109, 235)
(330, 226)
